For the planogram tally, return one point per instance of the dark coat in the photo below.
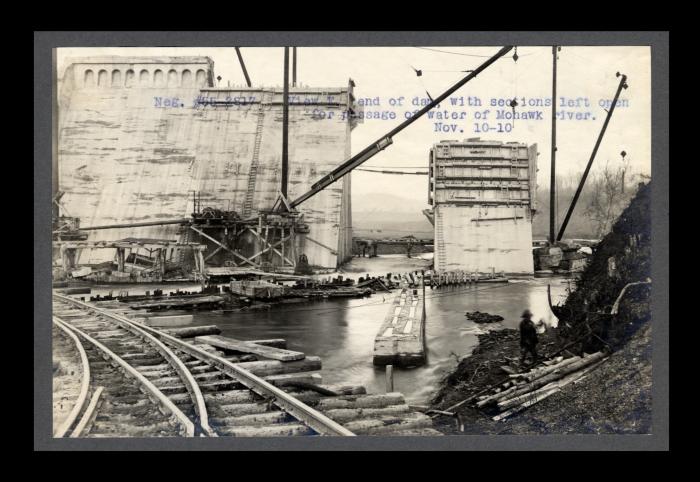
(528, 333)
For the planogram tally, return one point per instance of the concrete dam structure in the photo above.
(483, 198)
(138, 136)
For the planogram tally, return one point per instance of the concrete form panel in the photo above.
(482, 194)
(502, 242)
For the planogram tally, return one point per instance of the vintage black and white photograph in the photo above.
(415, 240)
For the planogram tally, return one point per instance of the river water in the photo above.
(342, 331)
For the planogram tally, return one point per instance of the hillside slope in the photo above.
(613, 398)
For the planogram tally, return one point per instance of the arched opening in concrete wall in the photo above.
(89, 78)
(159, 78)
(144, 78)
(116, 78)
(201, 79)
(172, 78)
(102, 79)
(129, 78)
(186, 78)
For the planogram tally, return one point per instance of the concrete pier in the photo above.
(148, 130)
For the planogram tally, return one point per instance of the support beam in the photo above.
(210, 255)
(294, 66)
(202, 266)
(161, 261)
(245, 71)
(552, 174)
(121, 255)
(285, 124)
(202, 233)
(622, 85)
(135, 225)
(269, 246)
(309, 238)
(386, 139)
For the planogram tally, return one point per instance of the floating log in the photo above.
(275, 367)
(192, 331)
(361, 401)
(248, 347)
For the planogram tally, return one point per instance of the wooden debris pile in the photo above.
(522, 390)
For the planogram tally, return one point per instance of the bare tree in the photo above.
(608, 197)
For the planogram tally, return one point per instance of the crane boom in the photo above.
(384, 141)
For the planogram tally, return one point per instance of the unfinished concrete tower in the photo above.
(137, 135)
(483, 197)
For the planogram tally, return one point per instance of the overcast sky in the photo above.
(387, 72)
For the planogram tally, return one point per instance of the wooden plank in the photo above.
(400, 340)
(275, 342)
(247, 347)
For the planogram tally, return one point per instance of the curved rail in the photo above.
(89, 413)
(84, 386)
(177, 364)
(160, 397)
(286, 402)
(299, 410)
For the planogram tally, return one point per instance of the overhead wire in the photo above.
(468, 55)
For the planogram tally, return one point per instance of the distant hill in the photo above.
(379, 202)
(388, 215)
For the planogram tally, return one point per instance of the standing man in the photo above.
(528, 338)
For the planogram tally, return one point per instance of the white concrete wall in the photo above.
(124, 156)
(480, 246)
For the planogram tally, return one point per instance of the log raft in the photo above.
(401, 337)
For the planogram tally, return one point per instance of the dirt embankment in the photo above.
(613, 398)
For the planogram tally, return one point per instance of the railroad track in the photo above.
(196, 392)
(114, 399)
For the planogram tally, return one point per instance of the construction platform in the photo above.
(401, 338)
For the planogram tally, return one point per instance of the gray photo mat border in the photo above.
(44, 90)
